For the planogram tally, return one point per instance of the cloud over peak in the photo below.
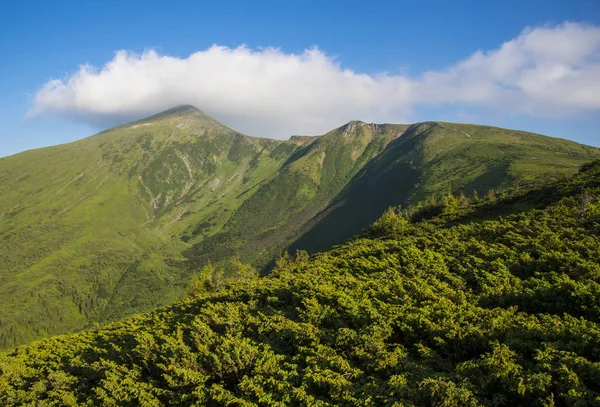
(545, 71)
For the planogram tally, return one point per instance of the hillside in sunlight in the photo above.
(458, 302)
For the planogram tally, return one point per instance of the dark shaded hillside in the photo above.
(432, 159)
(469, 307)
(269, 220)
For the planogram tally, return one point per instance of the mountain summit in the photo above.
(185, 117)
(117, 223)
(181, 110)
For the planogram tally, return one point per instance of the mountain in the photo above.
(90, 228)
(463, 302)
(435, 158)
(117, 223)
(312, 176)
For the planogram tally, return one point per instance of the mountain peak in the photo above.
(184, 116)
(179, 111)
(183, 109)
(356, 125)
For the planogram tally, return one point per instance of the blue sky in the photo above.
(374, 54)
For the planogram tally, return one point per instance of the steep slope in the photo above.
(432, 159)
(269, 220)
(471, 308)
(88, 230)
(114, 224)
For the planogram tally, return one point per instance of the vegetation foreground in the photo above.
(463, 302)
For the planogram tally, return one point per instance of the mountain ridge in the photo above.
(116, 223)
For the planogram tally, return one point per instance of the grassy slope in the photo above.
(269, 220)
(87, 228)
(114, 224)
(470, 308)
(432, 159)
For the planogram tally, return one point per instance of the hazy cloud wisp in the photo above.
(544, 71)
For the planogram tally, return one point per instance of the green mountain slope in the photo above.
(432, 159)
(116, 223)
(492, 302)
(89, 229)
(310, 179)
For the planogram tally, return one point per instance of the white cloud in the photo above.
(545, 71)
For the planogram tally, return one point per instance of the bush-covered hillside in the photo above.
(461, 302)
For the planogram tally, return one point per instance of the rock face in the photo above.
(116, 223)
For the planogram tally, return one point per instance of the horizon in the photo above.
(289, 138)
(251, 69)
